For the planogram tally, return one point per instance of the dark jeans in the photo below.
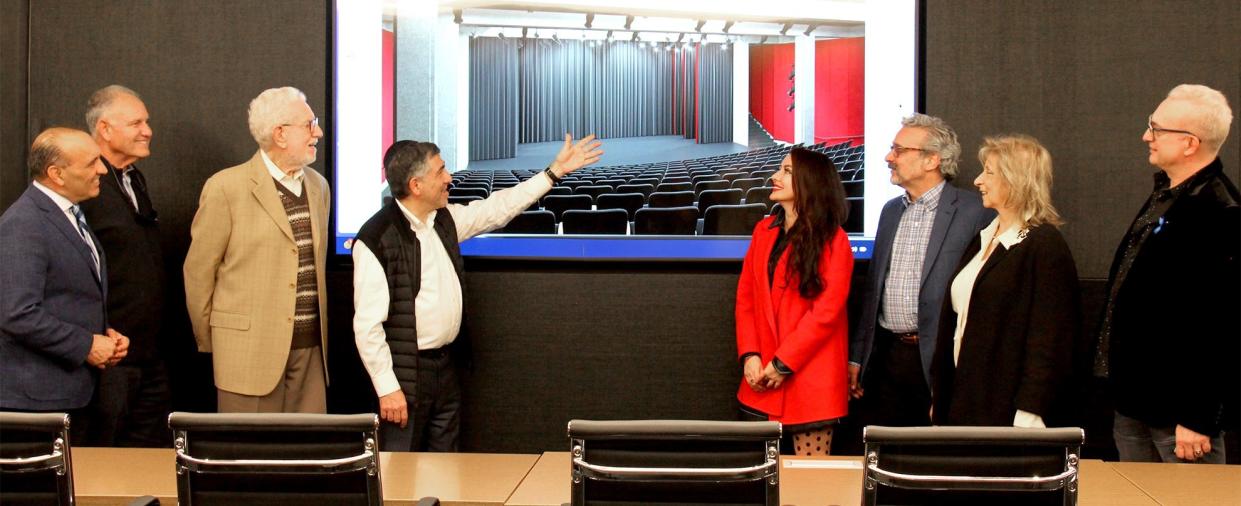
(434, 411)
(1139, 442)
(131, 406)
(896, 393)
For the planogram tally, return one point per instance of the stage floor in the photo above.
(623, 151)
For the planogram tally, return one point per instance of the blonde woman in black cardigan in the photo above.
(1009, 343)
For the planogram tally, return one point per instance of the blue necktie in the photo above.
(82, 228)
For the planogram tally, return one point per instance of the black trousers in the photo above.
(131, 406)
(896, 393)
(434, 410)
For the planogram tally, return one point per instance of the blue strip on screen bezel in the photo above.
(613, 247)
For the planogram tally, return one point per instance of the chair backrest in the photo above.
(644, 189)
(732, 219)
(681, 186)
(666, 221)
(713, 184)
(467, 191)
(560, 190)
(710, 198)
(630, 202)
(645, 180)
(463, 199)
(970, 465)
(759, 195)
(593, 190)
(857, 208)
(675, 462)
(670, 199)
(608, 221)
(276, 458)
(35, 461)
(559, 203)
(747, 183)
(531, 222)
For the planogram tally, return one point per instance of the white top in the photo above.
(963, 288)
(66, 207)
(437, 307)
(291, 182)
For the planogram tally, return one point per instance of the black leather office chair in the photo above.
(280, 458)
(35, 464)
(971, 465)
(675, 462)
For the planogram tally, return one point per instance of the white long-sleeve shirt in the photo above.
(437, 307)
(963, 287)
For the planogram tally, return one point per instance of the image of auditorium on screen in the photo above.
(696, 111)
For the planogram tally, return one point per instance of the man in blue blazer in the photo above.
(53, 326)
(917, 247)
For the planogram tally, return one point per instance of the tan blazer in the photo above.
(241, 274)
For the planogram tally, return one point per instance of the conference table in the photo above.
(107, 476)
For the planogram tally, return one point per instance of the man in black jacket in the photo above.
(1168, 342)
(132, 400)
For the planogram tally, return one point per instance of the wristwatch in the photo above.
(555, 179)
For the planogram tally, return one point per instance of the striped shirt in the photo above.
(899, 309)
(306, 315)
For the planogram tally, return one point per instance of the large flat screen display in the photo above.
(696, 103)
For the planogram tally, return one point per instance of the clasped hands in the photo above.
(107, 350)
(762, 378)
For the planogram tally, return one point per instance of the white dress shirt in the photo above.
(66, 207)
(963, 288)
(291, 182)
(437, 307)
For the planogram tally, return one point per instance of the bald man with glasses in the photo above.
(1168, 340)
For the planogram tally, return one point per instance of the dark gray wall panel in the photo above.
(197, 64)
(1081, 77)
(13, 75)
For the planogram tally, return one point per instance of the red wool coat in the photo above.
(811, 337)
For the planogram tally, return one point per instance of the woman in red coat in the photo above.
(792, 331)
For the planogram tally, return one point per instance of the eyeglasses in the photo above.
(310, 125)
(900, 150)
(1155, 131)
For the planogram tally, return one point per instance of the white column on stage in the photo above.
(741, 93)
(359, 103)
(891, 43)
(803, 85)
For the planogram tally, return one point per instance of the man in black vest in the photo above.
(132, 401)
(407, 287)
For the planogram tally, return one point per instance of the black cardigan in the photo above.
(1022, 346)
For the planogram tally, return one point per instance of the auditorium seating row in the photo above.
(725, 195)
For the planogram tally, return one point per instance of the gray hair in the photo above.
(406, 160)
(1211, 117)
(101, 100)
(269, 110)
(46, 151)
(940, 140)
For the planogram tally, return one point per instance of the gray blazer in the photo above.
(958, 219)
(51, 305)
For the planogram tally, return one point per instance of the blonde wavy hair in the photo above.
(1025, 166)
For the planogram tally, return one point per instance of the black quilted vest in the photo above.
(389, 237)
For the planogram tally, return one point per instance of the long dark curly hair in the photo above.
(819, 200)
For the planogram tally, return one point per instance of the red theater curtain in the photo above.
(839, 83)
(770, 68)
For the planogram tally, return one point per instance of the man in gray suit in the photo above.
(921, 236)
(53, 325)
